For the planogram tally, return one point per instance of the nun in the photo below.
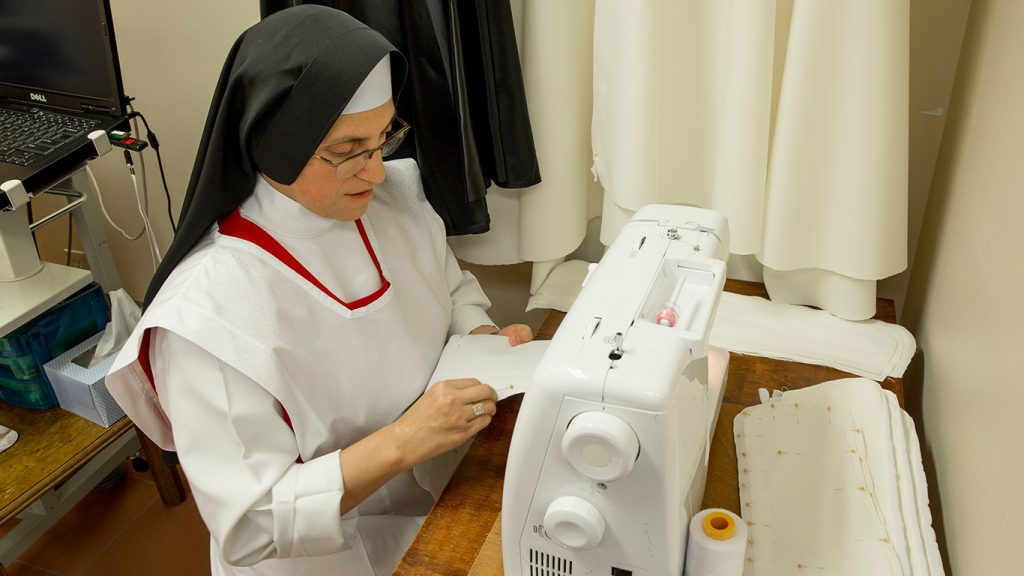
(289, 335)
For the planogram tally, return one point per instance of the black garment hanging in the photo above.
(464, 98)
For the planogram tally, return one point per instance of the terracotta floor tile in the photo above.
(89, 527)
(144, 476)
(22, 569)
(162, 541)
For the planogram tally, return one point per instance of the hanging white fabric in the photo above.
(547, 221)
(789, 116)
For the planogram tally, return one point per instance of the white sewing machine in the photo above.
(609, 453)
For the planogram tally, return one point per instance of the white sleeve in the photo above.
(468, 299)
(239, 456)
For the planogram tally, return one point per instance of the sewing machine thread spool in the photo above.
(666, 317)
(719, 526)
(716, 545)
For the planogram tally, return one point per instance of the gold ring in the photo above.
(478, 408)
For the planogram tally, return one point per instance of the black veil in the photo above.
(283, 85)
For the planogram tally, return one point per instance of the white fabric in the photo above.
(374, 91)
(846, 297)
(7, 438)
(548, 220)
(491, 359)
(751, 325)
(870, 348)
(789, 117)
(561, 287)
(124, 315)
(226, 360)
(934, 558)
(315, 241)
(826, 484)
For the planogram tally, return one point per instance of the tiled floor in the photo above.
(121, 531)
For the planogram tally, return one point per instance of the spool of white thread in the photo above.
(717, 544)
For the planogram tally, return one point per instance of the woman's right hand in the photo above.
(447, 415)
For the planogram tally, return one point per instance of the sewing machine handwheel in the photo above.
(574, 523)
(600, 446)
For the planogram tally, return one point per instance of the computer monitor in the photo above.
(60, 53)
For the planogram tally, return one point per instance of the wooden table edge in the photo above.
(67, 469)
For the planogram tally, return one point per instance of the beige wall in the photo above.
(936, 31)
(963, 303)
(171, 55)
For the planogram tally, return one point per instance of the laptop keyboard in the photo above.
(26, 136)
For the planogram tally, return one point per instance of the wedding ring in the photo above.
(478, 408)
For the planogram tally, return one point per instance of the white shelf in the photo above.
(23, 300)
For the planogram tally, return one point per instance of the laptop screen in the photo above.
(60, 53)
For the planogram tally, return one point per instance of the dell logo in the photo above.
(37, 97)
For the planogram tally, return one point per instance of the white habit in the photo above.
(241, 343)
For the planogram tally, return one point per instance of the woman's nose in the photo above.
(373, 170)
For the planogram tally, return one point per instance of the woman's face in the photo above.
(318, 187)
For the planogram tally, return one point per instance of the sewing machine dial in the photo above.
(600, 446)
(574, 523)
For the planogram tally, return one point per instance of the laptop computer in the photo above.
(59, 80)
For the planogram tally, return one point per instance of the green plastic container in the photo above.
(23, 352)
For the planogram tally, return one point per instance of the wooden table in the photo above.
(58, 457)
(462, 534)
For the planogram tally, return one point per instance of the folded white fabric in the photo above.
(560, 289)
(751, 325)
(831, 483)
(7, 437)
(869, 348)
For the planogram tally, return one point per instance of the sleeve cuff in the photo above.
(466, 318)
(307, 510)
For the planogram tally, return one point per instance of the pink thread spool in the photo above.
(666, 317)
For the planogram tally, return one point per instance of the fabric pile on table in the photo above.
(831, 482)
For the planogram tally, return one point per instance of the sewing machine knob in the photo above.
(600, 446)
(574, 523)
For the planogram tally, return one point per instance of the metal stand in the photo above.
(28, 286)
(89, 223)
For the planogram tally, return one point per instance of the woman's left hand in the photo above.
(516, 333)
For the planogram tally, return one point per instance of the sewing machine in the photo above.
(609, 454)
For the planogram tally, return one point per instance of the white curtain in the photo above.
(789, 116)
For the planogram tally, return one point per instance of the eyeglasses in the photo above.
(351, 165)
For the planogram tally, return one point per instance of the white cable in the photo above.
(142, 164)
(99, 196)
(149, 228)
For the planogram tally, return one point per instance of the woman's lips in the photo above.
(361, 195)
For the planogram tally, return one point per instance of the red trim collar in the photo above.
(237, 226)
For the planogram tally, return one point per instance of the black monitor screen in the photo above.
(58, 47)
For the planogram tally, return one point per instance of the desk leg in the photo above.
(169, 483)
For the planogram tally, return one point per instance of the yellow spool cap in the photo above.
(719, 526)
